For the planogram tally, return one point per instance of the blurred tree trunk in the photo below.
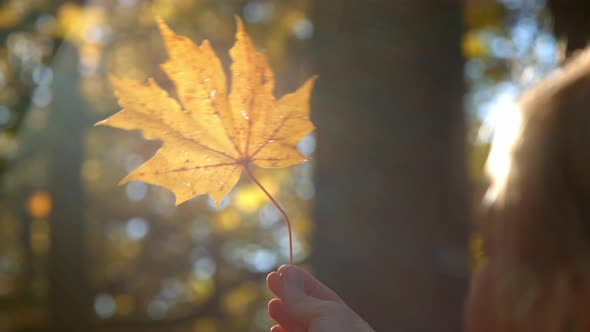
(69, 294)
(570, 21)
(392, 195)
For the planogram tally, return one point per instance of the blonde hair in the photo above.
(537, 208)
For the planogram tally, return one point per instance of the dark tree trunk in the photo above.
(68, 276)
(570, 21)
(392, 200)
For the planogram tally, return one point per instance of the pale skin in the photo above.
(304, 304)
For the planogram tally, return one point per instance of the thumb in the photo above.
(296, 301)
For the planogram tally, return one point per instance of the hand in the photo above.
(306, 305)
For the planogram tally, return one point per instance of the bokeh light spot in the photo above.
(137, 228)
(249, 199)
(204, 268)
(228, 220)
(269, 215)
(42, 75)
(136, 190)
(473, 45)
(238, 300)
(202, 289)
(222, 204)
(258, 12)
(261, 260)
(307, 145)
(104, 305)
(39, 205)
(303, 29)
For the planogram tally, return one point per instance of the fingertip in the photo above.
(275, 307)
(278, 312)
(282, 268)
(274, 300)
(273, 283)
(277, 328)
(271, 275)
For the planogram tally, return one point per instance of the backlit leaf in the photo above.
(209, 135)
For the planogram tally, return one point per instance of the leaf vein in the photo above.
(180, 136)
(190, 168)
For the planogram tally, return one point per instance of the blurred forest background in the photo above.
(409, 95)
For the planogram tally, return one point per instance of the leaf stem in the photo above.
(287, 221)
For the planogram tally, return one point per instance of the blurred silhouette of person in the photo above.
(535, 226)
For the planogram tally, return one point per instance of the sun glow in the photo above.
(506, 120)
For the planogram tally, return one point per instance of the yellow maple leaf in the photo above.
(209, 136)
